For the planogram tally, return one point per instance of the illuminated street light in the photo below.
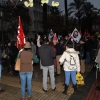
(55, 4)
(28, 4)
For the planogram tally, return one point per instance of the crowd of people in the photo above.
(53, 53)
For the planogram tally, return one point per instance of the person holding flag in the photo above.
(26, 64)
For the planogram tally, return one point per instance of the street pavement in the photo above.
(11, 84)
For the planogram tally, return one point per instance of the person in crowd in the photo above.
(8, 59)
(98, 44)
(59, 52)
(1, 67)
(0, 60)
(71, 64)
(47, 56)
(82, 55)
(33, 47)
(94, 45)
(55, 61)
(13, 56)
(88, 46)
(26, 70)
(66, 39)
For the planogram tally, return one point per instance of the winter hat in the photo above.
(55, 38)
(27, 45)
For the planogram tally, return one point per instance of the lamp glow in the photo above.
(55, 4)
(28, 4)
(44, 1)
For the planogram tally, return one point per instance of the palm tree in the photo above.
(76, 9)
(89, 9)
(90, 15)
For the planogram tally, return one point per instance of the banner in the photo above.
(76, 36)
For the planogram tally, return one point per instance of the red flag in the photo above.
(20, 35)
(85, 34)
(55, 38)
(80, 32)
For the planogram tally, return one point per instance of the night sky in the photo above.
(96, 3)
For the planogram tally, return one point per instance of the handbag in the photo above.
(79, 79)
(35, 59)
(17, 65)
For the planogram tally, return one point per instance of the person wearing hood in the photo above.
(71, 66)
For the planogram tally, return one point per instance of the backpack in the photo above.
(72, 63)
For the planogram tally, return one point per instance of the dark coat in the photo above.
(88, 45)
(59, 49)
(13, 53)
(47, 55)
(82, 51)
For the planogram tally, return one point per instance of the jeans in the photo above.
(26, 77)
(0, 70)
(52, 78)
(69, 74)
(87, 57)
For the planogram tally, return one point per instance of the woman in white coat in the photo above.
(71, 65)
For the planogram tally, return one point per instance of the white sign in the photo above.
(76, 36)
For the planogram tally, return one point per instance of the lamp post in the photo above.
(45, 18)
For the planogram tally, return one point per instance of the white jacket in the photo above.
(66, 56)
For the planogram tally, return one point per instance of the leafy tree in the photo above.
(90, 16)
(10, 19)
(56, 21)
(85, 13)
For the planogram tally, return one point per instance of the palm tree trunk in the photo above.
(66, 13)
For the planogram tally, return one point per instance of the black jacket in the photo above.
(59, 49)
(82, 51)
(47, 55)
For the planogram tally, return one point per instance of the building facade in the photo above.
(36, 14)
